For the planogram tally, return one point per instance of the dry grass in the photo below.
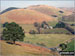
(25, 16)
(24, 50)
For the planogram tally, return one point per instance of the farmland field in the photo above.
(56, 30)
(27, 27)
(53, 23)
(70, 22)
(49, 40)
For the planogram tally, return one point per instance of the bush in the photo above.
(32, 32)
(36, 24)
(61, 11)
(60, 25)
(63, 46)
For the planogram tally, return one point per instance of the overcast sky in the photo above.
(23, 4)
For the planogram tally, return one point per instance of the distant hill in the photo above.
(70, 9)
(69, 18)
(8, 9)
(49, 10)
(35, 13)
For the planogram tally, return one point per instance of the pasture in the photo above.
(56, 31)
(49, 40)
(27, 27)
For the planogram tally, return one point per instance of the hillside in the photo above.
(24, 49)
(8, 9)
(24, 16)
(69, 18)
(29, 15)
(71, 9)
(49, 10)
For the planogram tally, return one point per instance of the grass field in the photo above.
(53, 23)
(55, 30)
(70, 23)
(49, 40)
(27, 27)
(70, 46)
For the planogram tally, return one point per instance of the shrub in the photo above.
(63, 46)
(32, 32)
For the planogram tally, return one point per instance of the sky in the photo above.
(22, 4)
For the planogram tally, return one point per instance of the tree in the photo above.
(44, 22)
(13, 32)
(63, 46)
(60, 25)
(5, 24)
(42, 25)
(36, 24)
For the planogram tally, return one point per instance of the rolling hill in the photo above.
(49, 10)
(8, 9)
(24, 16)
(69, 18)
(29, 15)
(71, 9)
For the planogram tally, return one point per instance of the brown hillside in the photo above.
(49, 10)
(23, 49)
(24, 16)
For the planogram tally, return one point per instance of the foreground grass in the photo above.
(49, 40)
(15, 50)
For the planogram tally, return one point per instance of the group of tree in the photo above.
(40, 25)
(60, 25)
(12, 32)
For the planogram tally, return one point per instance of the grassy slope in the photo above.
(73, 27)
(50, 40)
(25, 16)
(70, 46)
(8, 49)
(48, 10)
(53, 23)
